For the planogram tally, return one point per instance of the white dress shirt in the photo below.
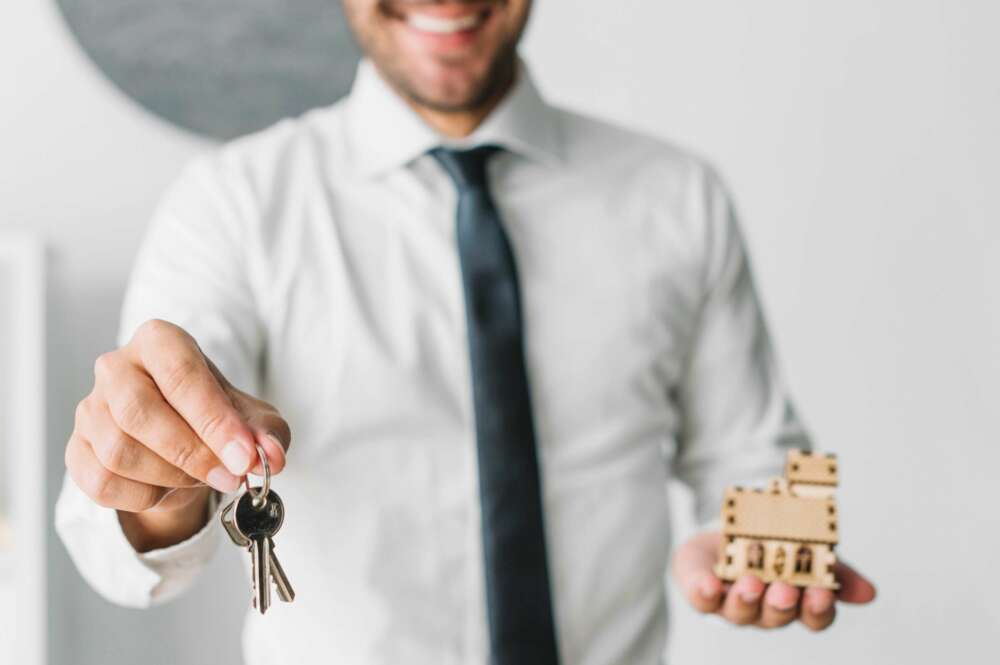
(315, 263)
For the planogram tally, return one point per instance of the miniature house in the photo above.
(785, 532)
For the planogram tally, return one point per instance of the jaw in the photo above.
(445, 55)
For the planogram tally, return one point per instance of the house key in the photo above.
(251, 522)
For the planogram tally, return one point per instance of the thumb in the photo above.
(692, 570)
(272, 433)
(854, 587)
(270, 430)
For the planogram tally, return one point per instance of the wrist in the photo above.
(157, 529)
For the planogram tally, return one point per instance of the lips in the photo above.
(440, 19)
(441, 25)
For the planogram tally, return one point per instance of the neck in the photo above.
(458, 123)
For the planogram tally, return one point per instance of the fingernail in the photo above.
(783, 606)
(749, 597)
(707, 588)
(277, 443)
(819, 606)
(222, 480)
(235, 457)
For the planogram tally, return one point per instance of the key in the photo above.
(225, 517)
(285, 592)
(258, 525)
(251, 520)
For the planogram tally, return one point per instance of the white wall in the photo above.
(863, 141)
(863, 144)
(83, 166)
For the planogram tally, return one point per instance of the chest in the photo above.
(366, 312)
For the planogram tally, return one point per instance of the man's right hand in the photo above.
(160, 424)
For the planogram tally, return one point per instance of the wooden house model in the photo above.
(787, 531)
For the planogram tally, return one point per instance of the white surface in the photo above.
(862, 142)
(22, 428)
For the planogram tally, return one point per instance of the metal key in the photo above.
(258, 525)
(251, 520)
(285, 591)
(227, 522)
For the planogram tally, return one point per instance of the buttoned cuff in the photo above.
(97, 545)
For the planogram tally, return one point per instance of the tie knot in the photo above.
(467, 168)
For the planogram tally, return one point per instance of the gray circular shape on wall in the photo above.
(220, 68)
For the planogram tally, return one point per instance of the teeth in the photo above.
(442, 26)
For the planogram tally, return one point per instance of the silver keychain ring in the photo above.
(259, 494)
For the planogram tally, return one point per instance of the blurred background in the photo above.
(862, 141)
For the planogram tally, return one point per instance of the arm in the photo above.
(164, 422)
(738, 421)
(737, 416)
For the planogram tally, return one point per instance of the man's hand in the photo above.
(160, 424)
(748, 601)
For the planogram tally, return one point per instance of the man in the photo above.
(497, 327)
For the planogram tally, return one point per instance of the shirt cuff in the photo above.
(107, 561)
(178, 565)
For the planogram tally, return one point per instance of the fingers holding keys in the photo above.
(162, 415)
(273, 448)
(228, 421)
(160, 424)
(104, 487)
(187, 382)
(270, 430)
(140, 411)
(121, 454)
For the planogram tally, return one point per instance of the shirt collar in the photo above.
(383, 132)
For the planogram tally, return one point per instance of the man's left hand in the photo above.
(749, 601)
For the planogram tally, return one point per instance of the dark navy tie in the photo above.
(518, 603)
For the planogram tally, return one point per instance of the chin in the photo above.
(448, 56)
(451, 87)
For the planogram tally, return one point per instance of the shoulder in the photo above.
(674, 195)
(588, 139)
(263, 161)
(642, 168)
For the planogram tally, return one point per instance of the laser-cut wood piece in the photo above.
(786, 532)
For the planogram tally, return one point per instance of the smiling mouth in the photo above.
(445, 26)
(439, 18)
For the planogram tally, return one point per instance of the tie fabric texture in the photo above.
(519, 605)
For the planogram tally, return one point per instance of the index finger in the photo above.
(183, 376)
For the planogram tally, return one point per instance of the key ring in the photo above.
(259, 494)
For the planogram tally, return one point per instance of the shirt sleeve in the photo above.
(107, 561)
(191, 270)
(737, 418)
